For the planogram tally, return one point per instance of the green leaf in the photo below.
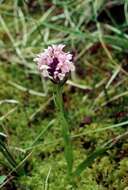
(115, 41)
(2, 178)
(6, 153)
(66, 30)
(90, 159)
(119, 42)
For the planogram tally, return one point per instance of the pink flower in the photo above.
(55, 63)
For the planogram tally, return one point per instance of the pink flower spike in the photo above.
(55, 63)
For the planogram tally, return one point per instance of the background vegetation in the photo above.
(96, 96)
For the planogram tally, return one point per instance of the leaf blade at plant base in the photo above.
(89, 160)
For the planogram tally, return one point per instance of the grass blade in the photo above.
(2, 178)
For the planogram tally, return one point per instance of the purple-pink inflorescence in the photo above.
(55, 63)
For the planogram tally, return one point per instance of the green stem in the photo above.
(68, 151)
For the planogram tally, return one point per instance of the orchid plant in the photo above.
(57, 65)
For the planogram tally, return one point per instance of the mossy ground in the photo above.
(87, 109)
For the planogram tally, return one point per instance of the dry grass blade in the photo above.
(32, 92)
